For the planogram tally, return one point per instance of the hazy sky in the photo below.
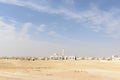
(44, 27)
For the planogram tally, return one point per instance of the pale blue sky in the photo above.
(44, 27)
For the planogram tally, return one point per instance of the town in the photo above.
(62, 56)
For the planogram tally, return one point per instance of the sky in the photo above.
(45, 27)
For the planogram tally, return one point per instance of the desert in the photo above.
(59, 70)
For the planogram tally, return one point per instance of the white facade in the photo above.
(115, 58)
(55, 57)
(59, 57)
(71, 58)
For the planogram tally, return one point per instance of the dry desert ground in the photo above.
(59, 70)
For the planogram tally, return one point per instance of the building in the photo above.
(71, 58)
(115, 58)
(56, 57)
(59, 57)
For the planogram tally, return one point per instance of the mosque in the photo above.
(62, 56)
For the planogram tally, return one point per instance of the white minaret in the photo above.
(63, 52)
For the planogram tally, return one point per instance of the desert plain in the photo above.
(59, 70)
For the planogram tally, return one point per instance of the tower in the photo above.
(63, 52)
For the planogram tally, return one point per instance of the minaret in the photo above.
(63, 52)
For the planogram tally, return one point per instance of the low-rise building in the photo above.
(56, 57)
(71, 58)
(115, 58)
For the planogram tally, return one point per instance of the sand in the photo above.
(59, 70)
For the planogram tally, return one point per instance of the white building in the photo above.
(115, 58)
(71, 58)
(56, 57)
(59, 57)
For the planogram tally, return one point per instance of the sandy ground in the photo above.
(59, 70)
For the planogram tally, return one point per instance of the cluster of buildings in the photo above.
(62, 56)
(59, 57)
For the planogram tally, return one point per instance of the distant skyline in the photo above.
(44, 27)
